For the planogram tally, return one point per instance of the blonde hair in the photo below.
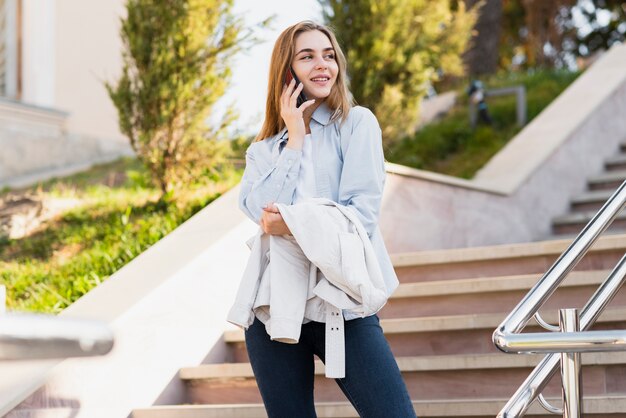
(339, 100)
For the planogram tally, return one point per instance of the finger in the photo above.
(284, 96)
(287, 88)
(267, 226)
(294, 96)
(306, 104)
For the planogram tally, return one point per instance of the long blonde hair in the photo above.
(339, 100)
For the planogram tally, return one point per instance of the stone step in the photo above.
(497, 360)
(590, 201)
(593, 407)
(443, 335)
(426, 377)
(607, 181)
(575, 222)
(502, 260)
(487, 295)
(616, 163)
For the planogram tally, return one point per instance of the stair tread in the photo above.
(491, 284)
(548, 247)
(423, 408)
(616, 159)
(451, 322)
(608, 176)
(572, 235)
(412, 364)
(578, 217)
(593, 196)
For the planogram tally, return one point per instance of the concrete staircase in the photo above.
(439, 324)
(600, 188)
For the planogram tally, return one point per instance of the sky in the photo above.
(250, 70)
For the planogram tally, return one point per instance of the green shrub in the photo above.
(450, 146)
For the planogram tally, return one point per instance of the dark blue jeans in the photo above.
(285, 372)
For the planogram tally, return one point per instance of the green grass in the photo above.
(116, 220)
(450, 146)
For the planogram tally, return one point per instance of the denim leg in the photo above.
(373, 383)
(284, 373)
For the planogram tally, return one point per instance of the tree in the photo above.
(601, 24)
(483, 55)
(512, 35)
(394, 48)
(551, 33)
(176, 57)
(545, 34)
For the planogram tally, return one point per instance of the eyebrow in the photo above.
(311, 50)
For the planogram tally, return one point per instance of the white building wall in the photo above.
(10, 48)
(87, 53)
(66, 121)
(38, 52)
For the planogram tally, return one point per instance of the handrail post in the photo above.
(506, 337)
(570, 367)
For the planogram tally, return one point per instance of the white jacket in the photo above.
(328, 265)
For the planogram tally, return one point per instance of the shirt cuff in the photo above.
(289, 159)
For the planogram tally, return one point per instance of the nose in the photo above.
(320, 63)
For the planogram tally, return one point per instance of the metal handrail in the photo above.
(507, 338)
(36, 336)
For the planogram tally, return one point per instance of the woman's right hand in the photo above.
(293, 115)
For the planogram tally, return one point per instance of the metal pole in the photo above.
(36, 336)
(473, 114)
(570, 368)
(521, 105)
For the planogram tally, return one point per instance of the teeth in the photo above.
(320, 79)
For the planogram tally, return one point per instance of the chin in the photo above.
(319, 96)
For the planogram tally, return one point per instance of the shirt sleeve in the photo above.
(266, 182)
(363, 172)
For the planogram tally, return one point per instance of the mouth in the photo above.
(321, 81)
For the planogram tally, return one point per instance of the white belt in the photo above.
(335, 357)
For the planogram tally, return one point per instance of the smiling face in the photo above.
(314, 63)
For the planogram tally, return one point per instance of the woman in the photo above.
(322, 148)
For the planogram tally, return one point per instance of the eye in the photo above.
(330, 56)
(306, 56)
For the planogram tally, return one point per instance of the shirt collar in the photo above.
(321, 115)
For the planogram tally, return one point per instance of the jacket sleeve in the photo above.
(363, 172)
(265, 181)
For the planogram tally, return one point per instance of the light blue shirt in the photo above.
(349, 170)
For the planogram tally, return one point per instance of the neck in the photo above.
(308, 112)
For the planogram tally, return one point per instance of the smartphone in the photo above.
(292, 75)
